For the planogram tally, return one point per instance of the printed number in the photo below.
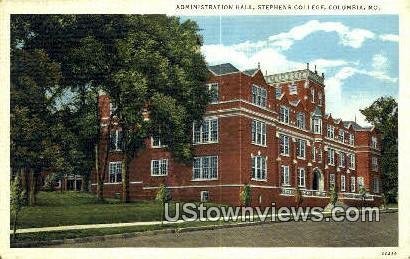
(389, 253)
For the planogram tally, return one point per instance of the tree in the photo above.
(160, 73)
(383, 115)
(163, 196)
(333, 195)
(246, 195)
(17, 201)
(298, 196)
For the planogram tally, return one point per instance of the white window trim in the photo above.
(259, 91)
(298, 143)
(332, 152)
(201, 169)
(283, 176)
(353, 184)
(304, 177)
(266, 169)
(288, 145)
(263, 135)
(109, 171)
(285, 114)
(117, 140)
(342, 183)
(201, 141)
(160, 143)
(159, 167)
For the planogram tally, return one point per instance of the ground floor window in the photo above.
(114, 170)
(285, 175)
(360, 182)
(301, 177)
(204, 196)
(376, 187)
(205, 168)
(159, 167)
(259, 168)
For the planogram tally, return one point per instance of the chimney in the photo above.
(323, 75)
(315, 70)
(259, 65)
(307, 66)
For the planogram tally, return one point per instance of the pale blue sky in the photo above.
(358, 54)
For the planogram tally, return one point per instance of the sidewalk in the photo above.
(152, 223)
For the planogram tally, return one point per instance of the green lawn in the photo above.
(76, 208)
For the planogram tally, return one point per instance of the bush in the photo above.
(246, 195)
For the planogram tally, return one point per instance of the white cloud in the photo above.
(379, 62)
(348, 37)
(389, 37)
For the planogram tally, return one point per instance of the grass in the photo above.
(69, 234)
(75, 208)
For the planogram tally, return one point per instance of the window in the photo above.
(352, 184)
(342, 183)
(374, 142)
(284, 145)
(114, 171)
(159, 167)
(258, 132)
(259, 96)
(284, 114)
(341, 135)
(293, 89)
(330, 131)
(313, 153)
(206, 132)
(278, 92)
(360, 182)
(332, 181)
(376, 185)
(113, 108)
(301, 148)
(285, 175)
(351, 139)
(301, 177)
(213, 91)
(342, 159)
(319, 96)
(375, 166)
(352, 161)
(204, 196)
(319, 154)
(116, 140)
(312, 93)
(205, 168)
(300, 120)
(317, 125)
(258, 168)
(331, 156)
(156, 142)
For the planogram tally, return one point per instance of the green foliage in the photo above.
(246, 195)
(163, 194)
(383, 114)
(333, 195)
(17, 200)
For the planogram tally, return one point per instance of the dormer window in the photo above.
(300, 120)
(278, 92)
(293, 89)
(259, 96)
(284, 114)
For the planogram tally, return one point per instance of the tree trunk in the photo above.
(32, 193)
(100, 184)
(15, 225)
(125, 181)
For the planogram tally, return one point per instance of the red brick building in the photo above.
(271, 132)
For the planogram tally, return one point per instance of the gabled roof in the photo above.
(294, 103)
(250, 72)
(223, 69)
(356, 126)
